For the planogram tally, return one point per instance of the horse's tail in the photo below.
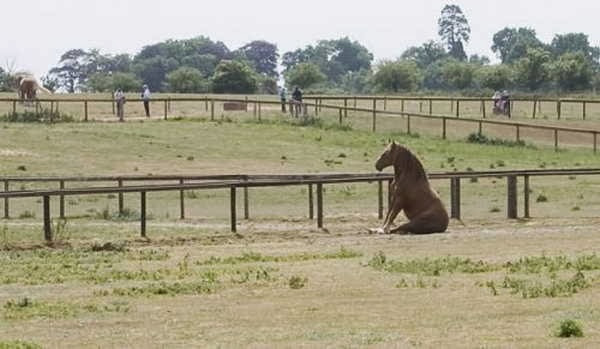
(43, 89)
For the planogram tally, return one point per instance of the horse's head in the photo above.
(388, 157)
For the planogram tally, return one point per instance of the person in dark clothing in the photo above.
(297, 97)
(283, 97)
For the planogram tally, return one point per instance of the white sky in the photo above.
(386, 27)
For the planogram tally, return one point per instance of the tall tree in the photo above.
(572, 71)
(511, 44)
(262, 55)
(574, 43)
(234, 77)
(454, 30)
(425, 54)
(533, 70)
(74, 68)
(187, 80)
(334, 58)
(395, 76)
(304, 75)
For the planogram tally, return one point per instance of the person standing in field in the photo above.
(283, 97)
(120, 100)
(297, 97)
(146, 99)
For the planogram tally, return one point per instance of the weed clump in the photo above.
(297, 282)
(479, 138)
(568, 328)
(41, 116)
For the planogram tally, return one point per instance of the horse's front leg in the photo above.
(395, 207)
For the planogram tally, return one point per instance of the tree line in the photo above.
(200, 65)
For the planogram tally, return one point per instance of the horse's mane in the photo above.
(411, 165)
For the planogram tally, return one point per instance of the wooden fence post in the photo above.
(62, 201)
(558, 108)
(206, 103)
(455, 198)
(246, 104)
(518, 135)
(511, 208)
(457, 108)
(595, 142)
(430, 107)
(480, 128)
(246, 203)
(212, 110)
(402, 105)
(534, 107)
(408, 124)
(181, 202)
(555, 139)
(384, 103)
(311, 214)
(380, 199)
(233, 209)
(584, 111)
(85, 110)
(143, 213)
(112, 97)
(420, 107)
(166, 109)
(121, 207)
(483, 108)
(320, 205)
(14, 107)
(341, 116)
(47, 220)
(374, 115)
(259, 111)
(443, 127)
(254, 108)
(526, 196)
(6, 210)
(345, 107)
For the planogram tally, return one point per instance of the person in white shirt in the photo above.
(146, 98)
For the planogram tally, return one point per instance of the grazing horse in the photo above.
(411, 192)
(27, 87)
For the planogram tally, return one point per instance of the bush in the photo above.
(569, 328)
(297, 282)
(480, 138)
(44, 115)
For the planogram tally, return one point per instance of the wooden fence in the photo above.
(343, 112)
(315, 185)
(455, 103)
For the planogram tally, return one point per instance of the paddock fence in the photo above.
(232, 183)
(318, 106)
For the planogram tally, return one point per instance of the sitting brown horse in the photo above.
(411, 192)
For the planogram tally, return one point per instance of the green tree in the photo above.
(359, 82)
(426, 54)
(103, 82)
(572, 71)
(458, 75)
(4, 81)
(573, 43)
(304, 75)
(74, 68)
(533, 70)
(334, 58)
(187, 80)
(234, 77)
(496, 77)
(262, 55)
(395, 76)
(454, 30)
(511, 44)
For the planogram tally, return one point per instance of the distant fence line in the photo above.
(343, 112)
(233, 182)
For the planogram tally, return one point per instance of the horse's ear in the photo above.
(394, 143)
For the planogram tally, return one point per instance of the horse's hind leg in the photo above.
(420, 226)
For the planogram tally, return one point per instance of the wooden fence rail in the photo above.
(343, 112)
(256, 181)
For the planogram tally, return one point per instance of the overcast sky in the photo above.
(36, 32)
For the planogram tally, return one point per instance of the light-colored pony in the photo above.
(28, 86)
(411, 192)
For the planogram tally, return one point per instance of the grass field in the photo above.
(280, 282)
